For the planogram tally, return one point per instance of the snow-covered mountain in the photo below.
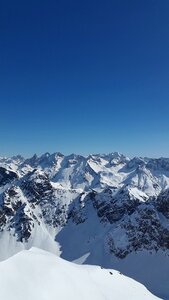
(102, 209)
(39, 275)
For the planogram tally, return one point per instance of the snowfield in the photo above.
(40, 275)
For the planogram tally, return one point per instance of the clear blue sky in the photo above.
(84, 76)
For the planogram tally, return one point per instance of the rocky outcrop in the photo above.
(6, 176)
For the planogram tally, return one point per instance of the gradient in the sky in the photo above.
(84, 76)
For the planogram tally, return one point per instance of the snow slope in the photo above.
(39, 275)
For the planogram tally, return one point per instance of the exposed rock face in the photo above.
(6, 176)
(162, 203)
(143, 230)
(129, 199)
(111, 208)
(15, 215)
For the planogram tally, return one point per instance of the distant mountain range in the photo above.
(102, 209)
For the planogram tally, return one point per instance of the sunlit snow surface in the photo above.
(39, 275)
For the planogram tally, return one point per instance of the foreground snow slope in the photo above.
(39, 275)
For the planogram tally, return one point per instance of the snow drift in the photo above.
(39, 275)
